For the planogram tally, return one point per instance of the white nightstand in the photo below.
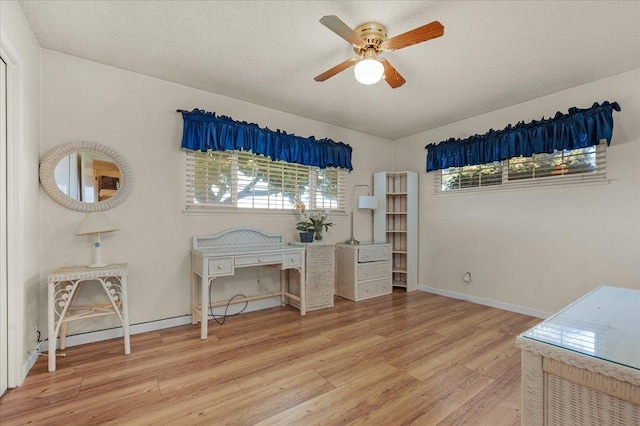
(64, 285)
(363, 271)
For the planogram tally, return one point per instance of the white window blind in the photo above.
(246, 180)
(560, 168)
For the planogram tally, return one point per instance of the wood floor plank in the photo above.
(404, 358)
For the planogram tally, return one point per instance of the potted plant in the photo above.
(319, 221)
(306, 231)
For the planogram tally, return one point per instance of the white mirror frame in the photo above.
(47, 178)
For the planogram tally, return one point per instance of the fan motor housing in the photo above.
(373, 34)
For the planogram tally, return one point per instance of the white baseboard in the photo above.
(487, 302)
(114, 333)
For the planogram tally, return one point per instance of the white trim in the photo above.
(114, 333)
(487, 302)
(4, 283)
(512, 187)
(204, 211)
(15, 275)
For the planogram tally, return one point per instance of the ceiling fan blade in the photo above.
(335, 70)
(343, 30)
(391, 76)
(415, 36)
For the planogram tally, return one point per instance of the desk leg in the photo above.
(194, 298)
(52, 329)
(204, 311)
(303, 291)
(284, 276)
(125, 315)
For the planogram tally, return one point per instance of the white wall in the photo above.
(136, 116)
(19, 48)
(542, 248)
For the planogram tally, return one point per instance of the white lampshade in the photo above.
(94, 223)
(367, 202)
(368, 71)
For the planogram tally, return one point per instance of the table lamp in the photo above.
(96, 223)
(364, 202)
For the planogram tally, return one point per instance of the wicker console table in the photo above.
(581, 366)
(63, 287)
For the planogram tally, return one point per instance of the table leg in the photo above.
(52, 329)
(125, 315)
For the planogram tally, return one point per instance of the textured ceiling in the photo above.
(492, 55)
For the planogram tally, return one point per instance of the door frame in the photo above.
(15, 225)
(4, 246)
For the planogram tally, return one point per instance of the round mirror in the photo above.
(85, 176)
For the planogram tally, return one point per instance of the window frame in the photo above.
(598, 176)
(312, 178)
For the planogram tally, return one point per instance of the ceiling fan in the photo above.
(369, 40)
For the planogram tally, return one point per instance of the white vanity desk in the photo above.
(215, 256)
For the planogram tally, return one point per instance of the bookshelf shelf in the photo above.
(396, 222)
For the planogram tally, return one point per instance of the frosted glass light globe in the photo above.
(368, 71)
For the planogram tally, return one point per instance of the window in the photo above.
(245, 180)
(561, 167)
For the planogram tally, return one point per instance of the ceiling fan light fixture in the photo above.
(368, 71)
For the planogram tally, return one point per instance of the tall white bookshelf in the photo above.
(395, 221)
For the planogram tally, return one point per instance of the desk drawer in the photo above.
(220, 267)
(374, 253)
(292, 260)
(372, 270)
(265, 259)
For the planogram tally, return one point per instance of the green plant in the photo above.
(304, 226)
(318, 221)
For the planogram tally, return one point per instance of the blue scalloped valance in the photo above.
(203, 131)
(580, 128)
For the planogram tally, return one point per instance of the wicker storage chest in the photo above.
(581, 366)
(320, 276)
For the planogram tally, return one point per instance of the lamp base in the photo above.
(98, 265)
(352, 241)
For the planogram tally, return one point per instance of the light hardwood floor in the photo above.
(407, 358)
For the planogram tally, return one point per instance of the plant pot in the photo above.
(306, 237)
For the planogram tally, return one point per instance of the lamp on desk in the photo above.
(364, 202)
(96, 223)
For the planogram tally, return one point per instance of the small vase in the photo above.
(318, 236)
(306, 237)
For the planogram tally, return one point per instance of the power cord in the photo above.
(264, 287)
(226, 309)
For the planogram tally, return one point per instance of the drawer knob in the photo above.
(219, 267)
(292, 260)
(259, 260)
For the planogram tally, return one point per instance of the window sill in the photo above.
(524, 186)
(249, 212)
